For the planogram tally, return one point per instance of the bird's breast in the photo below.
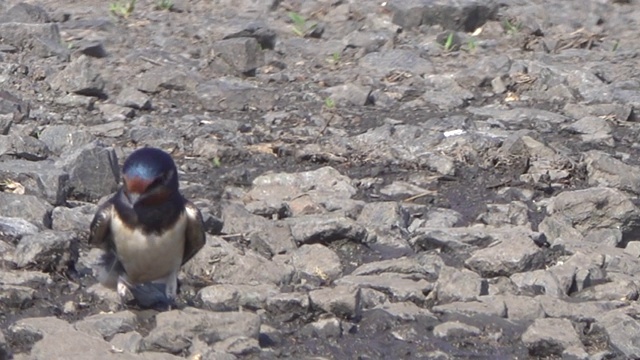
(149, 256)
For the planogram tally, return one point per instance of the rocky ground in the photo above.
(410, 179)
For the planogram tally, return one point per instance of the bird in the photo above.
(147, 229)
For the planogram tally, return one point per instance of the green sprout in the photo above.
(448, 44)
(216, 162)
(122, 9)
(300, 25)
(472, 44)
(329, 103)
(616, 45)
(335, 58)
(511, 27)
(164, 4)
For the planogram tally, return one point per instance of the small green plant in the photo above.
(335, 58)
(511, 27)
(329, 103)
(616, 45)
(216, 162)
(164, 4)
(448, 43)
(300, 25)
(472, 44)
(122, 9)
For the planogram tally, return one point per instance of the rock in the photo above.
(457, 329)
(33, 279)
(80, 77)
(267, 237)
(607, 171)
(17, 297)
(403, 60)
(515, 213)
(423, 266)
(309, 192)
(47, 251)
(27, 207)
(129, 342)
(324, 229)
(342, 301)
(131, 97)
(15, 228)
(221, 263)
(384, 216)
(45, 334)
(288, 306)
(276, 241)
(42, 179)
(23, 147)
(93, 49)
(314, 260)
(59, 138)
(523, 308)
(25, 13)
(487, 305)
(406, 311)
(323, 329)
(175, 329)
(593, 129)
(621, 330)
(550, 337)
(614, 290)
(72, 219)
(348, 94)
(576, 311)
(541, 282)
(41, 40)
(93, 171)
(5, 351)
(116, 113)
(166, 78)
(236, 297)
(459, 285)
(242, 54)
(597, 208)
(107, 325)
(238, 345)
(515, 252)
(228, 94)
(399, 287)
(465, 15)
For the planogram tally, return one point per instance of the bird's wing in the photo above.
(195, 238)
(100, 229)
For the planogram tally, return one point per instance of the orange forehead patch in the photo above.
(136, 184)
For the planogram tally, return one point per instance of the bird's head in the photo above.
(149, 176)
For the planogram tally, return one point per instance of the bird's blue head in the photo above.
(149, 176)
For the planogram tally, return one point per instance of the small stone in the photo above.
(314, 260)
(133, 98)
(47, 251)
(550, 337)
(93, 171)
(455, 329)
(27, 207)
(342, 301)
(81, 76)
(107, 325)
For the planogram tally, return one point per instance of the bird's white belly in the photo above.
(149, 257)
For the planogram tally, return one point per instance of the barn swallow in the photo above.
(148, 230)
